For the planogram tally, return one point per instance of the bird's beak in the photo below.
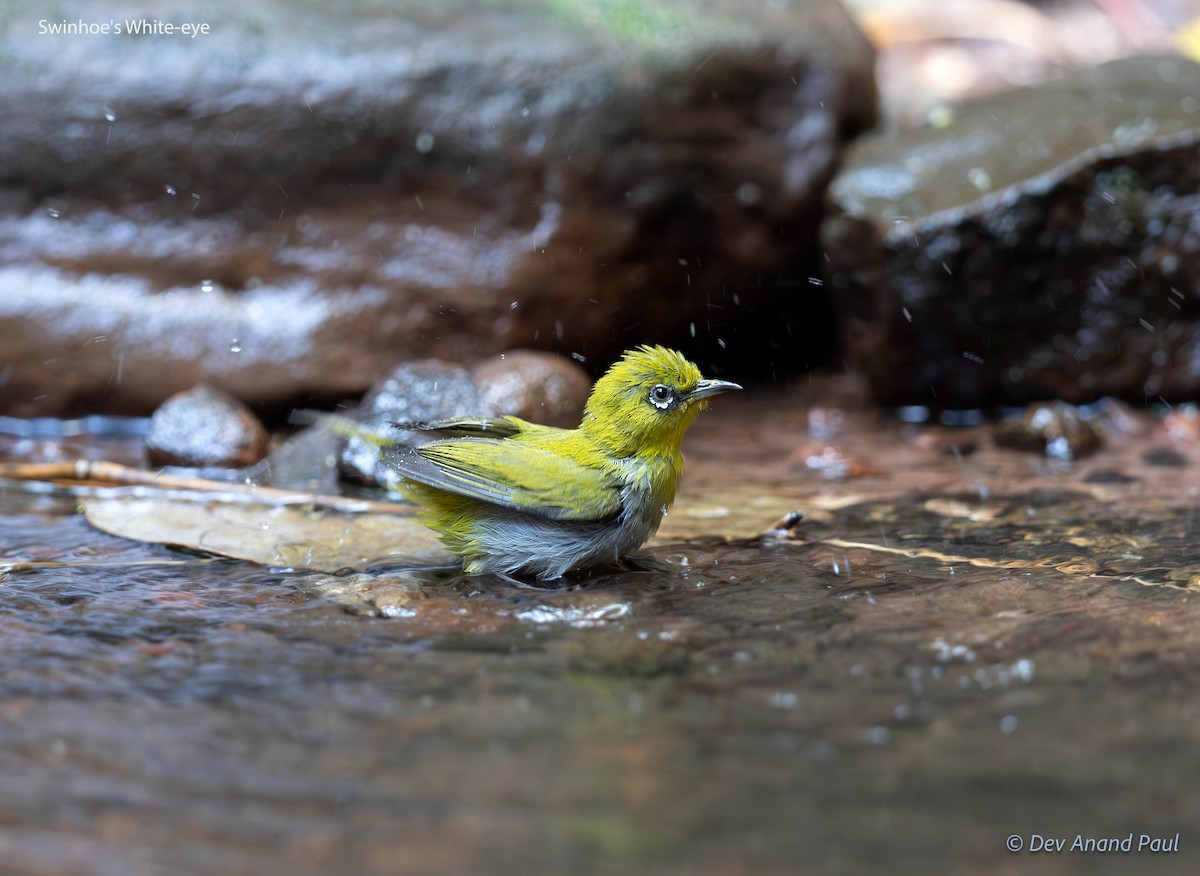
(705, 388)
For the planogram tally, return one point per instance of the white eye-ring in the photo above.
(662, 397)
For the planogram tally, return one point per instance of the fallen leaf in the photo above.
(280, 536)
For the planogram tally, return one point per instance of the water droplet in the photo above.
(783, 700)
(424, 142)
(55, 213)
(1023, 668)
(940, 117)
(913, 414)
(397, 611)
(207, 285)
(877, 735)
(979, 178)
(170, 190)
(748, 193)
(235, 346)
(109, 115)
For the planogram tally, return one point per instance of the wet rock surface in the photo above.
(944, 652)
(415, 392)
(205, 426)
(1042, 245)
(290, 203)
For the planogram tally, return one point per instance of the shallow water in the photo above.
(950, 650)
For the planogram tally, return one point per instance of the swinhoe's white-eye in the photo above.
(519, 498)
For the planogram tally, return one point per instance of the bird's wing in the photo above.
(515, 475)
(468, 427)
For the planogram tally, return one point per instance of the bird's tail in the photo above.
(342, 425)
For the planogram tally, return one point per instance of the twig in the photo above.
(115, 473)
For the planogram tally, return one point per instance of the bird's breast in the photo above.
(649, 487)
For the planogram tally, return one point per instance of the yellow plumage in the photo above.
(515, 497)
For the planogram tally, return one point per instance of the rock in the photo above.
(539, 387)
(1182, 424)
(1055, 428)
(307, 461)
(1165, 457)
(415, 392)
(205, 426)
(282, 204)
(1042, 245)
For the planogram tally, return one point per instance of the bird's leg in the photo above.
(525, 585)
(629, 564)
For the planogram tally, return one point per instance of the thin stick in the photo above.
(115, 473)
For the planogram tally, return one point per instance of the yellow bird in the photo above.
(518, 498)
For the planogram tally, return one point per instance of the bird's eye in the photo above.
(662, 397)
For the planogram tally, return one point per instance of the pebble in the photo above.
(540, 387)
(1055, 428)
(205, 426)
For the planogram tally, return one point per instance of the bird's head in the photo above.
(644, 403)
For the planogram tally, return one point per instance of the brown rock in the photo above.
(282, 205)
(539, 387)
(205, 426)
(1041, 246)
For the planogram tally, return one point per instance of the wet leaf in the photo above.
(949, 507)
(272, 535)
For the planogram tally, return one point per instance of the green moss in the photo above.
(643, 24)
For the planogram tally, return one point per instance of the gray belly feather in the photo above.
(511, 541)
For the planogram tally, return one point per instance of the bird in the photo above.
(521, 499)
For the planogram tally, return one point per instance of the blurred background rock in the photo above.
(933, 54)
(290, 205)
